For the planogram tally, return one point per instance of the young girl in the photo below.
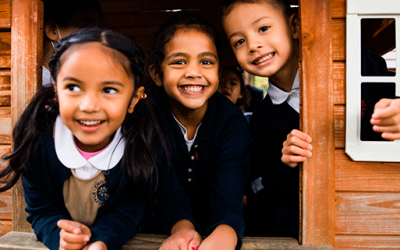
(208, 134)
(83, 187)
(231, 85)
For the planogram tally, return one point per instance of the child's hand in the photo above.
(98, 245)
(222, 238)
(73, 235)
(386, 118)
(183, 236)
(296, 148)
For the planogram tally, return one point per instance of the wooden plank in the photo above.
(365, 176)
(5, 49)
(339, 39)
(150, 6)
(150, 19)
(5, 227)
(5, 88)
(317, 204)
(5, 125)
(26, 50)
(339, 83)
(367, 213)
(17, 240)
(340, 123)
(5, 14)
(6, 205)
(4, 149)
(350, 242)
(338, 8)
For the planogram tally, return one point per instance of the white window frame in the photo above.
(378, 151)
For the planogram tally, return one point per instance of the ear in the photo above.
(135, 99)
(295, 26)
(50, 30)
(155, 76)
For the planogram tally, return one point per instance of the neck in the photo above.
(284, 78)
(189, 118)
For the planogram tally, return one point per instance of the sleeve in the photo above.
(228, 183)
(119, 223)
(43, 206)
(172, 203)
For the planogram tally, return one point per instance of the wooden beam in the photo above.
(26, 53)
(317, 175)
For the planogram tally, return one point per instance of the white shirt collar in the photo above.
(69, 155)
(189, 143)
(279, 96)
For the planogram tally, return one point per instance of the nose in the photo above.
(254, 44)
(226, 86)
(193, 71)
(90, 103)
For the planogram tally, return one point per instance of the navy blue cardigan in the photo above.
(116, 222)
(214, 170)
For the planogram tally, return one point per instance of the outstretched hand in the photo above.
(297, 148)
(386, 118)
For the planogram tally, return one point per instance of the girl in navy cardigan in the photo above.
(208, 134)
(90, 150)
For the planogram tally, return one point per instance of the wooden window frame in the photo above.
(317, 173)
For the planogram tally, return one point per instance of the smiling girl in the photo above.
(85, 188)
(208, 135)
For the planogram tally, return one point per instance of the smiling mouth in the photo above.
(90, 123)
(263, 59)
(192, 89)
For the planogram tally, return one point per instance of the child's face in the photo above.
(190, 70)
(262, 38)
(94, 93)
(229, 86)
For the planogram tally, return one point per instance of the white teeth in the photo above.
(264, 58)
(192, 88)
(90, 123)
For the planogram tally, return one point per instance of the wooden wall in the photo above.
(367, 213)
(5, 106)
(367, 204)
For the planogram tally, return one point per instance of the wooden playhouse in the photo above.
(345, 204)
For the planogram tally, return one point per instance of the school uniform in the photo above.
(273, 201)
(53, 172)
(212, 167)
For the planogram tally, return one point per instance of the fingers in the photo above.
(72, 235)
(296, 148)
(386, 108)
(195, 243)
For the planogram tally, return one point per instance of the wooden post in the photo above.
(26, 53)
(317, 175)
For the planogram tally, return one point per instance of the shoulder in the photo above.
(224, 117)
(224, 108)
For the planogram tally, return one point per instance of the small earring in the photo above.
(144, 96)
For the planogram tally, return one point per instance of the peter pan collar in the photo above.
(70, 157)
(279, 96)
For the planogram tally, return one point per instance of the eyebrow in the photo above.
(208, 54)
(68, 78)
(186, 55)
(176, 55)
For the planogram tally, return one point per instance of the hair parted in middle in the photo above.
(165, 33)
